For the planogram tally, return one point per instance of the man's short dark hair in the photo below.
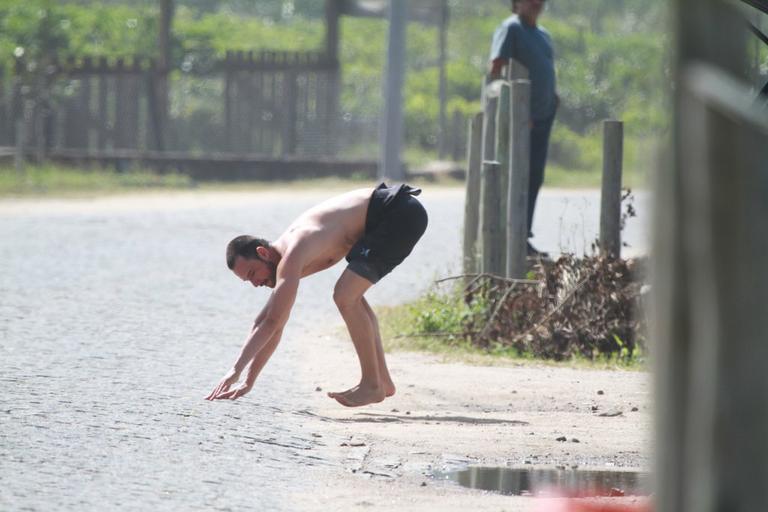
(245, 247)
(515, 2)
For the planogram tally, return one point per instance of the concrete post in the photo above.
(161, 101)
(503, 141)
(472, 200)
(442, 137)
(519, 177)
(391, 166)
(710, 290)
(610, 199)
(490, 221)
(489, 127)
(516, 71)
(332, 36)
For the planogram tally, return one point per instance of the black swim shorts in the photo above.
(393, 224)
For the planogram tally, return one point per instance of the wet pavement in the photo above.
(116, 321)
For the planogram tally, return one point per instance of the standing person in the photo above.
(520, 37)
(375, 229)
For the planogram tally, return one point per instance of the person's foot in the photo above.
(535, 253)
(360, 395)
(389, 388)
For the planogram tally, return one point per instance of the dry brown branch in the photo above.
(557, 308)
(499, 305)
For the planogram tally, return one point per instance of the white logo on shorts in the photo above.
(365, 252)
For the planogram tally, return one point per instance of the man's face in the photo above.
(257, 272)
(530, 8)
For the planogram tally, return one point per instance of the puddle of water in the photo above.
(537, 482)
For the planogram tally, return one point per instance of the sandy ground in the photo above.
(117, 317)
(447, 415)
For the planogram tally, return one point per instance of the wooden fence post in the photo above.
(5, 137)
(290, 98)
(102, 115)
(122, 94)
(610, 199)
(228, 100)
(82, 113)
(156, 116)
(711, 300)
(472, 199)
(161, 79)
(132, 93)
(21, 135)
(519, 177)
(39, 126)
(490, 221)
(710, 289)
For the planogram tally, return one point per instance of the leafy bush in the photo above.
(582, 308)
(445, 313)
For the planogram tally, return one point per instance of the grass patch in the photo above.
(57, 180)
(53, 180)
(61, 181)
(434, 322)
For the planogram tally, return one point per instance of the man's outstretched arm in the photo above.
(275, 316)
(279, 308)
(255, 368)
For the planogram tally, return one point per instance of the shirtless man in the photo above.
(375, 229)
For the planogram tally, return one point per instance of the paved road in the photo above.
(117, 316)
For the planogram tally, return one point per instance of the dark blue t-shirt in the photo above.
(532, 47)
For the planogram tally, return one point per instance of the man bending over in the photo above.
(376, 230)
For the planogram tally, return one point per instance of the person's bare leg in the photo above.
(348, 296)
(386, 379)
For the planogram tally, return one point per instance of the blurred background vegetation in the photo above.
(611, 60)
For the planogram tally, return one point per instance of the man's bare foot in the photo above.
(389, 388)
(388, 385)
(360, 395)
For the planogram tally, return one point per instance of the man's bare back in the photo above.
(376, 229)
(321, 236)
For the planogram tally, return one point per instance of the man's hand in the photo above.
(230, 378)
(239, 391)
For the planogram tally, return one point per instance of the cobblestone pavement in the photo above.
(117, 317)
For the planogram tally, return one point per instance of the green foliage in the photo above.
(30, 28)
(600, 76)
(610, 57)
(215, 33)
(582, 151)
(47, 28)
(444, 313)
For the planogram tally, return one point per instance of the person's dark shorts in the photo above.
(394, 223)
